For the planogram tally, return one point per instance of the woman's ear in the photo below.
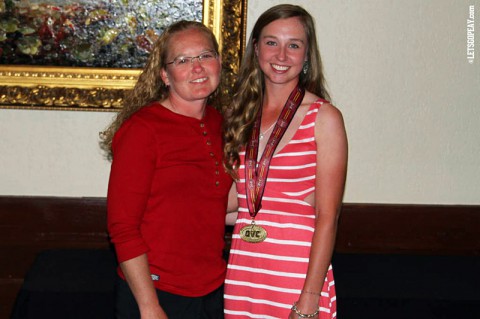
(164, 76)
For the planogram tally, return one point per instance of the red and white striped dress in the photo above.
(264, 279)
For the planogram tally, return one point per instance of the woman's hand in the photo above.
(307, 304)
(155, 313)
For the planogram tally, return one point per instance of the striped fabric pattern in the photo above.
(264, 279)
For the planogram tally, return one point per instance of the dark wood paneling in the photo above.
(32, 224)
(29, 225)
(409, 229)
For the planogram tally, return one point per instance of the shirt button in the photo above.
(204, 133)
(217, 172)
(216, 163)
(202, 124)
(211, 154)
(217, 183)
(209, 142)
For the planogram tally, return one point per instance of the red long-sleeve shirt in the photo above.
(167, 197)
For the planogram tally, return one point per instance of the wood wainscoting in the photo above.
(29, 225)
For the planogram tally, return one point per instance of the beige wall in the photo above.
(52, 153)
(397, 70)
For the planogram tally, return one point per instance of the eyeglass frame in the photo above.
(192, 58)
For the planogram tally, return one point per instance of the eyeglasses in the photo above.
(207, 56)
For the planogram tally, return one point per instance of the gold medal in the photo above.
(253, 233)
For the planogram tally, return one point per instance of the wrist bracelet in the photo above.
(312, 292)
(302, 315)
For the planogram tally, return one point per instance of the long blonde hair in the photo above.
(150, 86)
(249, 87)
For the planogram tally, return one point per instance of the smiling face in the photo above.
(193, 81)
(281, 50)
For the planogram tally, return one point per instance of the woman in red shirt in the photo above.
(167, 193)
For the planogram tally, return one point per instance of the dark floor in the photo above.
(79, 284)
(406, 286)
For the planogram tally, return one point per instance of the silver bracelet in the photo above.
(302, 315)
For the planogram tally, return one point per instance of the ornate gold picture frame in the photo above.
(103, 89)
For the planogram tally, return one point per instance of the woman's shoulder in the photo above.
(149, 115)
(329, 119)
(326, 111)
(148, 110)
(312, 101)
(142, 118)
(329, 111)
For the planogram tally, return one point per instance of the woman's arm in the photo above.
(232, 206)
(138, 277)
(332, 153)
(129, 188)
(137, 274)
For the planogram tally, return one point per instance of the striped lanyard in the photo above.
(256, 175)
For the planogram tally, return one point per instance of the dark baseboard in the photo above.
(30, 225)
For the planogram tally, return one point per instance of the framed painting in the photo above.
(86, 54)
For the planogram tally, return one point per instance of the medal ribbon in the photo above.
(256, 176)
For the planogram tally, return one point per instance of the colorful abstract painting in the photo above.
(86, 33)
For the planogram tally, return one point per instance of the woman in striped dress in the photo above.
(287, 148)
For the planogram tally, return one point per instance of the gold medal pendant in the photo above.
(253, 233)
